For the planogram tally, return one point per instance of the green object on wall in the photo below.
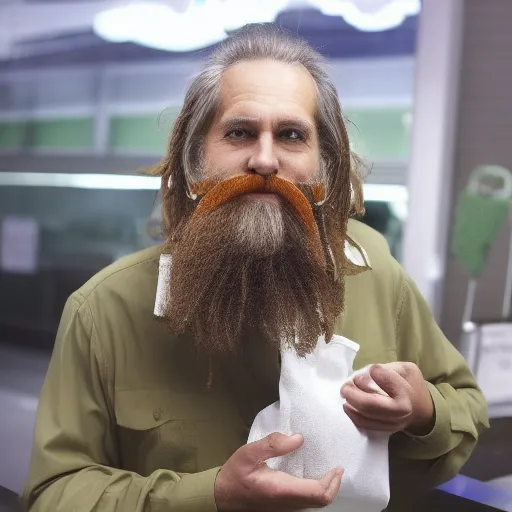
(479, 215)
(478, 221)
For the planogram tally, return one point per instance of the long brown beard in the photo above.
(242, 263)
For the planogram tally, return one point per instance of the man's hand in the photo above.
(408, 407)
(245, 482)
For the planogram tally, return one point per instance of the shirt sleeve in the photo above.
(74, 457)
(460, 408)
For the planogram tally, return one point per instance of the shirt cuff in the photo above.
(439, 441)
(195, 492)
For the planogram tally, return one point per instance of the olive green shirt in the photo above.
(125, 422)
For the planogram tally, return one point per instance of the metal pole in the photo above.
(470, 331)
(507, 297)
(470, 300)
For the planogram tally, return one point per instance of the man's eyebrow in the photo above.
(231, 123)
(234, 122)
(305, 126)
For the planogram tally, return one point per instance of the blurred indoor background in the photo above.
(89, 90)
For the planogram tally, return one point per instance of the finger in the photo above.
(363, 380)
(327, 480)
(386, 420)
(274, 445)
(364, 383)
(404, 369)
(302, 492)
(389, 381)
(333, 489)
(375, 406)
(365, 423)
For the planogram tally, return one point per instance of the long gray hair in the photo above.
(182, 165)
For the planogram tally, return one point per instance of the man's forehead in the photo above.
(254, 87)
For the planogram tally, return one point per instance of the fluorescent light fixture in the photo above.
(203, 23)
(370, 15)
(234, 14)
(159, 26)
(88, 181)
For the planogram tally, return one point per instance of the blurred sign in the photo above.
(19, 245)
(494, 372)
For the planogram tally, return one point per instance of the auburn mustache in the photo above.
(216, 193)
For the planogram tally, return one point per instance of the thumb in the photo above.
(364, 381)
(388, 380)
(274, 445)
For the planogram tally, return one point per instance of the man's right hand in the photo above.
(246, 483)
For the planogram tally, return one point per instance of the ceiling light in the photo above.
(201, 24)
(159, 26)
(370, 15)
(234, 14)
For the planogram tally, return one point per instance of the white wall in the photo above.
(432, 146)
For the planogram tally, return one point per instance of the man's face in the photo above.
(248, 259)
(265, 123)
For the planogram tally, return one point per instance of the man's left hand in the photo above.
(408, 405)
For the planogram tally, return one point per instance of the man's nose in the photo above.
(264, 161)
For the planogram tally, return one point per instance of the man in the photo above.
(163, 360)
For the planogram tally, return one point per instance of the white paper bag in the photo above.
(310, 404)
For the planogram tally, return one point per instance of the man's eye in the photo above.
(237, 134)
(292, 135)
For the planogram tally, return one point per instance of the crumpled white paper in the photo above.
(310, 404)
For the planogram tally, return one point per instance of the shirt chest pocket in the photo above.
(159, 429)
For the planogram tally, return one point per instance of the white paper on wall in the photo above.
(494, 372)
(19, 245)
